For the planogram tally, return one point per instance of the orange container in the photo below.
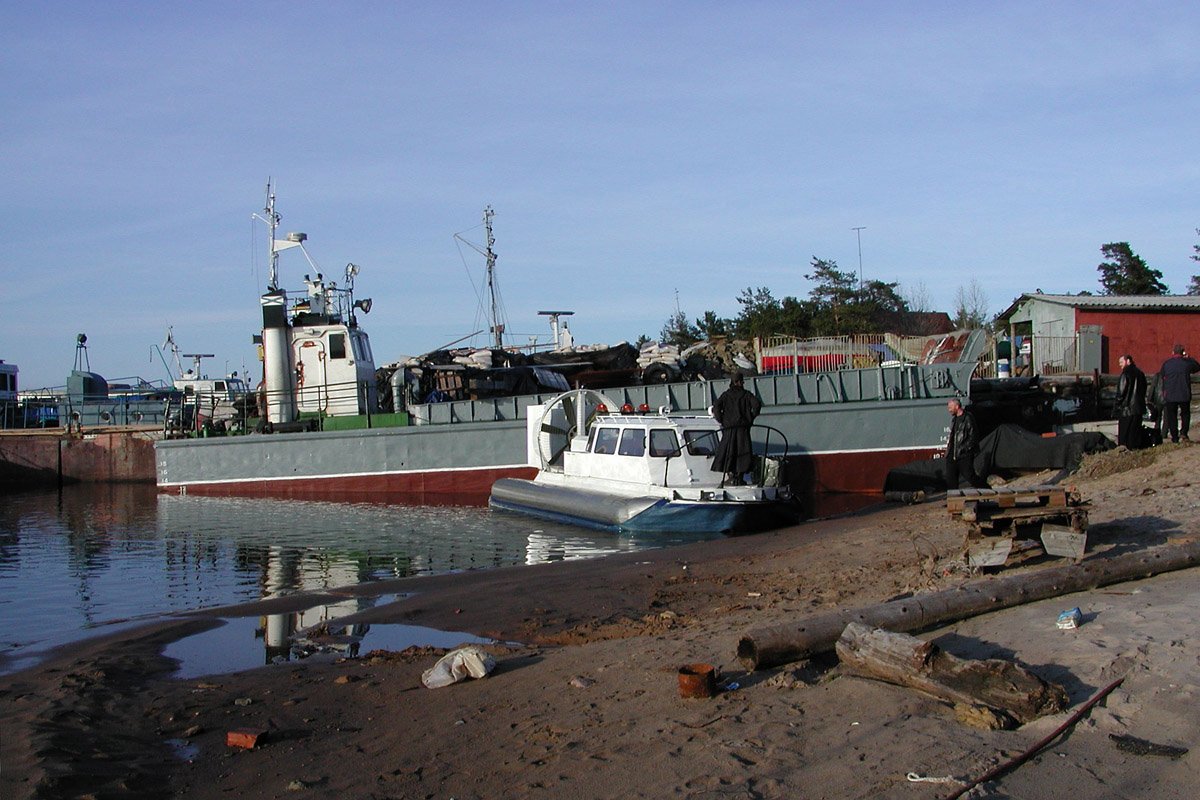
(697, 680)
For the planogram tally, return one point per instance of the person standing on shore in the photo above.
(961, 447)
(735, 411)
(1131, 403)
(1176, 376)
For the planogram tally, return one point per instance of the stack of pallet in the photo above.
(1005, 521)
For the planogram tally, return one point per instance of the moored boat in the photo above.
(324, 434)
(639, 472)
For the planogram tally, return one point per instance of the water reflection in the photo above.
(90, 556)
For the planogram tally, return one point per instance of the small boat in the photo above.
(640, 471)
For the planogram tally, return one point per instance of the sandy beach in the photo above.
(584, 700)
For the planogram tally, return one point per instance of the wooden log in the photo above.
(807, 636)
(908, 661)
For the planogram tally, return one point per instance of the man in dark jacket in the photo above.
(961, 447)
(735, 410)
(1176, 375)
(1131, 403)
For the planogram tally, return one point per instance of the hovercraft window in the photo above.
(606, 441)
(700, 443)
(633, 442)
(663, 443)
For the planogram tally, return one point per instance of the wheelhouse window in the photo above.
(605, 441)
(700, 443)
(337, 345)
(663, 443)
(361, 346)
(633, 442)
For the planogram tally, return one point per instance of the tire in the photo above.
(658, 373)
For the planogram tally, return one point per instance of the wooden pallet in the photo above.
(1010, 497)
(996, 518)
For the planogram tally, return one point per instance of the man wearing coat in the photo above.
(1131, 403)
(735, 410)
(961, 447)
(1176, 376)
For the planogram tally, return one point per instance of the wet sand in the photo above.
(588, 704)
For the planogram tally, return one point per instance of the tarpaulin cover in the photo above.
(1008, 448)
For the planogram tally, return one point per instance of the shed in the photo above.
(1058, 333)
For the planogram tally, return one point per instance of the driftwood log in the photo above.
(908, 661)
(782, 644)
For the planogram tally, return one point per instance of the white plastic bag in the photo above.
(458, 665)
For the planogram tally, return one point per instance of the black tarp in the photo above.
(1009, 448)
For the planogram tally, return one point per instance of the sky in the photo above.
(640, 157)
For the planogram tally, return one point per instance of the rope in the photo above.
(1013, 763)
(913, 777)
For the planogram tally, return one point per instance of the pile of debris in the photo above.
(712, 360)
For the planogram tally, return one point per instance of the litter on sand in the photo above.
(458, 665)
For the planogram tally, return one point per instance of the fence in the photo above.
(787, 354)
(1051, 355)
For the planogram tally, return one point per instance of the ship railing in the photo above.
(878, 383)
(766, 455)
(95, 410)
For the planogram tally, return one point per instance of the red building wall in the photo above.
(1148, 336)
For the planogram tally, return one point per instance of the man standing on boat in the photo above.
(962, 447)
(735, 410)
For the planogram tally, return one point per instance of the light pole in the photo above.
(859, 231)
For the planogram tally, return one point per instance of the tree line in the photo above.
(839, 304)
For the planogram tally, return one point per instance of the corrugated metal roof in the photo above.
(1122, 302)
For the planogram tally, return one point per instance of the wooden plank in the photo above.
(990, 551)
(1006, 497)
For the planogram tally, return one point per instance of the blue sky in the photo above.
(631, 150)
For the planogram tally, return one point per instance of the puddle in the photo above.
(242, 643)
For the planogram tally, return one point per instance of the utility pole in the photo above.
(859, 231)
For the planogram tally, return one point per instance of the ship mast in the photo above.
(497, 328)
(272, 219)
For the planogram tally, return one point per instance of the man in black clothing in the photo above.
(962, 447)
(1131, 403)
(735, 410)
(1176, 376)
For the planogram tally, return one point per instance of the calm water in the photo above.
(78, 561)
